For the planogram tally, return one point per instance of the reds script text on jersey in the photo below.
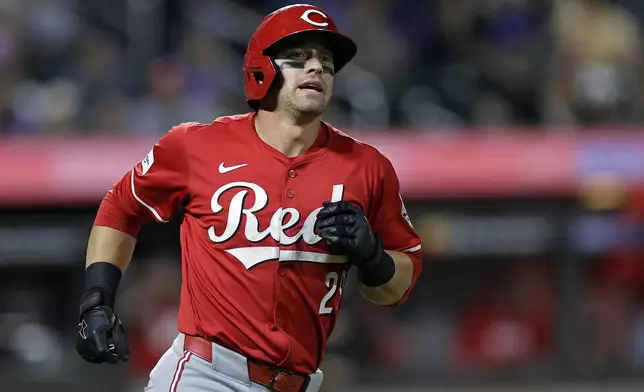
(256, 277)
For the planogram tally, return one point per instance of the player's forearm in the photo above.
(109, 252)
(391, 292)
(110, 246)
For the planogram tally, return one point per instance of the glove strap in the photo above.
(101, 282)
(379, 269)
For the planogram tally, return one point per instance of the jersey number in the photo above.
(333, 281)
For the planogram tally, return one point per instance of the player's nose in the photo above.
(314, 65)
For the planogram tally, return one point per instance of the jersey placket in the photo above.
(288, 195)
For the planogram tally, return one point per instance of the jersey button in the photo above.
(290, 193)
(282, 271)
(292, 173)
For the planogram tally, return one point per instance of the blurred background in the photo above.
(516, 128)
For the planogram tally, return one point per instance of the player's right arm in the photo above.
(152, 190)
(110, 245)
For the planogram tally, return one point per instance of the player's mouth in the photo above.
(312, 85)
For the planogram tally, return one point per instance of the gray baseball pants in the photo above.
(182, 371)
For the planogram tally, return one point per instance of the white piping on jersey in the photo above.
(414, 249)
(144, 204)
(253, 255)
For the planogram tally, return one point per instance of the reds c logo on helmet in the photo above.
(259, 69)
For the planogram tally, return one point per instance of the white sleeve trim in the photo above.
(414, 249)
(144, 204)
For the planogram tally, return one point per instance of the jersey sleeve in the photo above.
(159, 182)
(390, 220)
(154, 188)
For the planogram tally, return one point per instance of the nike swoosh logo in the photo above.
(223, 169)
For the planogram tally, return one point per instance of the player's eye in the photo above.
(298, 55)
(326, 59)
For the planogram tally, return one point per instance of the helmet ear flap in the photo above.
(260, 73)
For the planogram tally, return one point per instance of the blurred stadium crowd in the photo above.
(137, 67)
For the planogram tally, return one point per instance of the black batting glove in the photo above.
(346, 230)
(101, 337)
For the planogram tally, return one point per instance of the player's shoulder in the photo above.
(218, 125)
(361, 149)
(234, 119)
(186, 128)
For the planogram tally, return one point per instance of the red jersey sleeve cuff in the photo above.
(110, 215)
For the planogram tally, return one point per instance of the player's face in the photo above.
(307, 71)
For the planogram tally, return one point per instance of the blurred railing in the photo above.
(429, 165)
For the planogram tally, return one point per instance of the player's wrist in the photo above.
(377, 269)
(101, 283)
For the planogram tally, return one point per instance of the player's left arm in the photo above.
(384, 248)
(392, 227)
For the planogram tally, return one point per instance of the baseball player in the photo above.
(277, 207)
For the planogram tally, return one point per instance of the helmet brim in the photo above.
(342, 47)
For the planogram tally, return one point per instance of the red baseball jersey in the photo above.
(255, 275)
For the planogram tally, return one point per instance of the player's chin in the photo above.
(311, 110)
(312, 107)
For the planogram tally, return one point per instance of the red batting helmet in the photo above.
(259, 69)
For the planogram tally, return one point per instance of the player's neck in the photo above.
(284, 134)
